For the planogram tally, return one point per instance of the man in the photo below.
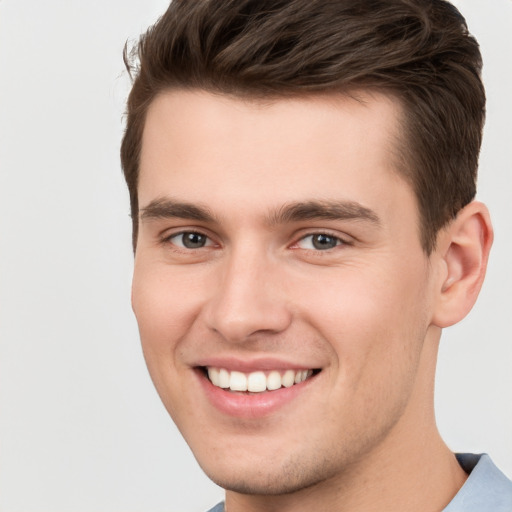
(302, 176)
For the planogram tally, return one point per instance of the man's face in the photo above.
(277, 242)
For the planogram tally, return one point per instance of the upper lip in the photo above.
(251, 365)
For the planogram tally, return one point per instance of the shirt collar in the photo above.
(486, 488)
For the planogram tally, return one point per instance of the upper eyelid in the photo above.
(344, 238)
(323, 233)
(183, 231)
(172, 232)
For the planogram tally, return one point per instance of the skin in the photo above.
(367, 311)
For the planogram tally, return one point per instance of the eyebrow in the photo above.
(165, 208)
(323, 210)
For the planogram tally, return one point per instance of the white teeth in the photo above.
(237, 381)
(288, 378)
(273, 381)
(256, 382)
(213, 375)
(223, 378)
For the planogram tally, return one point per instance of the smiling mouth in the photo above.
(256, 382)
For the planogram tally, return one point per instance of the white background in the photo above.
(81, 428)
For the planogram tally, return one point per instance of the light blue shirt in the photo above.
(487, 489)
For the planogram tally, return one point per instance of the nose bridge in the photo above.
(249, 297)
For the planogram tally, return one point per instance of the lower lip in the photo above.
(255, 405)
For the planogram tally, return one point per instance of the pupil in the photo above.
(324, 242)
(193, 240)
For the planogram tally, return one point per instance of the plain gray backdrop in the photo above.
(81, 428)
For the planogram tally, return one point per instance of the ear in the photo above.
(463, 251)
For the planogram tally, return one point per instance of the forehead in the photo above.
(200, 146)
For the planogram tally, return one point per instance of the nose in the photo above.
(249, 298)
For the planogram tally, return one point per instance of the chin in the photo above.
(270, 479)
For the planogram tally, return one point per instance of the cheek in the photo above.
(374, 320)
(165, 303)
(375, 327)
(163, 306)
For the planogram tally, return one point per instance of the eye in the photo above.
(190, 240)
(319, 242)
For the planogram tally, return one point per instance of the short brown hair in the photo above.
(419, 51)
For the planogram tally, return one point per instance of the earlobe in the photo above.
(464, 246)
